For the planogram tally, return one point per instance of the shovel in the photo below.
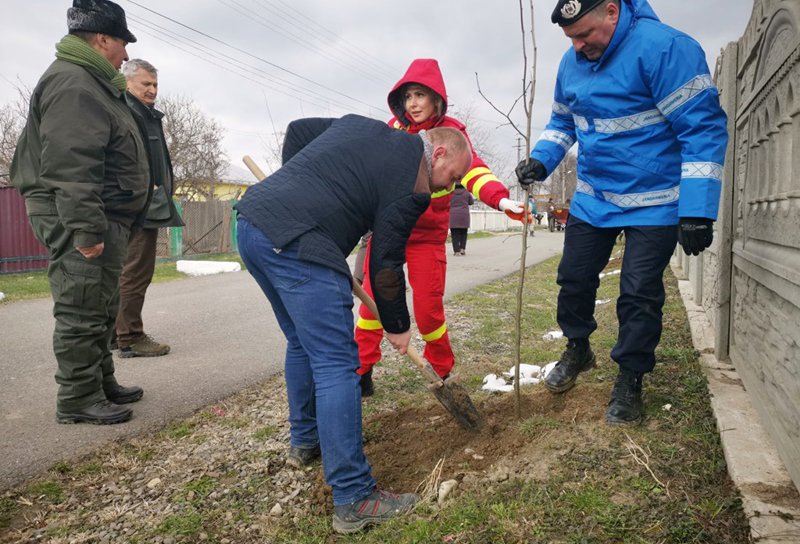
(448, 392)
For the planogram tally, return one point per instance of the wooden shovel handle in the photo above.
(254, 169)
(412, 352)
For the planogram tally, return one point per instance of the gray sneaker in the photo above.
(144, 347)
(302, 457)
(376, 508)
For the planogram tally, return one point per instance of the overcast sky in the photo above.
(298, 58)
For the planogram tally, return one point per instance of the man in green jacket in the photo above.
(81, 165)
(142, 78)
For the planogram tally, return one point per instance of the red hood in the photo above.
(424, 72)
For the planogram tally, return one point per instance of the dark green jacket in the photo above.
(161, 212)
(81, 154)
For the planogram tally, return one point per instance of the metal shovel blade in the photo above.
(456, 401)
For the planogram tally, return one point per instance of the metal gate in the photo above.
(20, 251)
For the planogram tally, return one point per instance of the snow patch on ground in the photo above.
(612, 273)
(206, 268)
(553, 335)
(528, 375)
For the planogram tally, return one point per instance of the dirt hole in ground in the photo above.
(405, 445)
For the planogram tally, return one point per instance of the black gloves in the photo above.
(530, 171)
(695, 234)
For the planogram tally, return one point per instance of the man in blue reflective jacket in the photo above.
(638, 98)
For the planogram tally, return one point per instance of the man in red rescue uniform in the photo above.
(419, 102)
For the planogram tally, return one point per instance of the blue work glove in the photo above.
(695, 234)
(529, 171)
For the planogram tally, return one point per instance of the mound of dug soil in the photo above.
(405, 445)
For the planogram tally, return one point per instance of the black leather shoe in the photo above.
(577, 358)
(367, 388)
(123, 395)
(99, 413)
(626, 406)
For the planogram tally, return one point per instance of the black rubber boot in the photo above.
(577, 358)
(367, 388)
(626, 406)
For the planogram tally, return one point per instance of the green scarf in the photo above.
(77, 51)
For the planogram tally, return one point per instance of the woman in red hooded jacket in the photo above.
(419, 102)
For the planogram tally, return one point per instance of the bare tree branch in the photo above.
(194, 141)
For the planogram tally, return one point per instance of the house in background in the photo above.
(232, 186)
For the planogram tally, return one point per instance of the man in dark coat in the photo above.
(142, 78)
(82, 167)
(340, 178)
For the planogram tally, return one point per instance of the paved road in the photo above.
(223, 336)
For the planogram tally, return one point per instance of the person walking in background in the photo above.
(459, 219)
(419, 102)
(638, 98)
(551, 215)
(348, 176)
(534, 214)
(142, 78)
(82, 167)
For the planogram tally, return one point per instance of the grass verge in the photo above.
(557, 475)
(28, 285)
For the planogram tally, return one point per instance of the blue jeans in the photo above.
(314, 308)
(641, 298)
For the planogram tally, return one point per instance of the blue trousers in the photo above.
(641, 299)
(314, 308)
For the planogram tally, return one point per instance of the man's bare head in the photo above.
(451, 158)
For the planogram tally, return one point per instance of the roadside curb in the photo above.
(769, 497)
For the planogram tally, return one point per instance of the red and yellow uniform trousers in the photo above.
(427, 269)
(426, 259)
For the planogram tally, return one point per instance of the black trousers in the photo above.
(641, 299)
(459, 238)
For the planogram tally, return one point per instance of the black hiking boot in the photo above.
(367, 388)
(119, 394)
(577, 358)
(99, 413)
(626, 406)
(376, 508)
(302, 457)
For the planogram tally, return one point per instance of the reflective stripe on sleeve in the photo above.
(703, 170)
(561, 109)
(557, 137)
(686, 92)
(585, 188)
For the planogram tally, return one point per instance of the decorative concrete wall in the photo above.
(749, 280)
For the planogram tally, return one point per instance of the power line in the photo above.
(247, 53)
(231, 62)
(254, 16)
(303, 22)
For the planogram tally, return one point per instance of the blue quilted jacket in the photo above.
(341, 178)
(651, 133)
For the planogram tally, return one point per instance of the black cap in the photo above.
(569, 11)
(101, 16)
